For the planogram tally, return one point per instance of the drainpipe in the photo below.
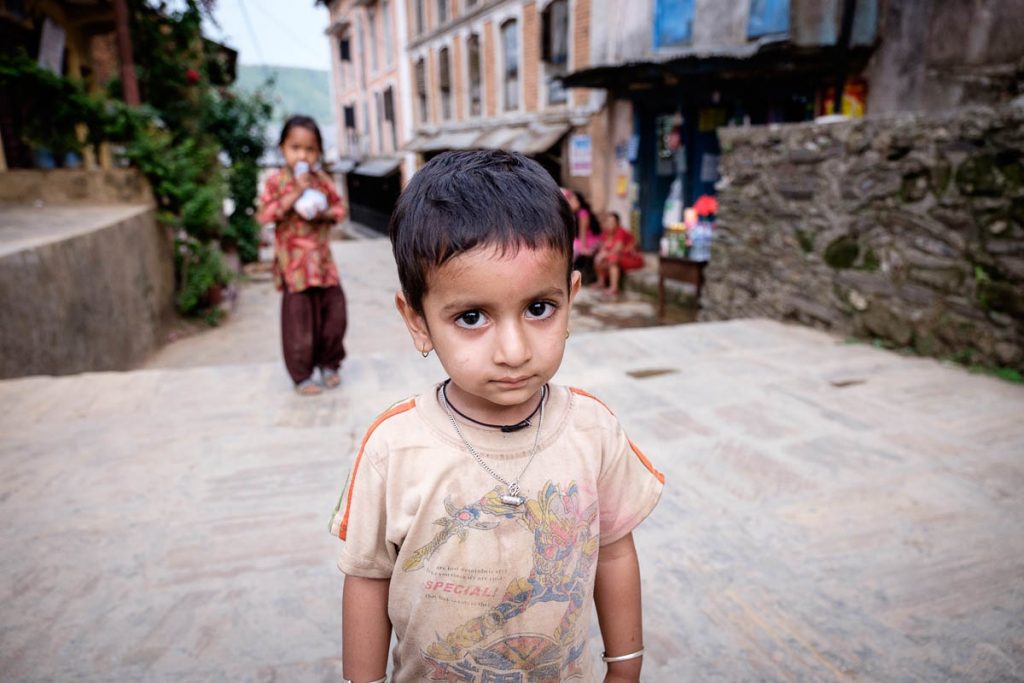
(843, 53)
(129, 85)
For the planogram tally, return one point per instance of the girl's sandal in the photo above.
(308, 387)
(331, 378)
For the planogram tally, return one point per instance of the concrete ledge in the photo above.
(64, 185)
(92, 291)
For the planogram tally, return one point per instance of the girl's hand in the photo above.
(304, 180)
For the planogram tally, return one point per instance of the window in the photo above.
(475, 76)
(673, 22)
(361, 51)
(385, 17)
(351, 136)
(510, 52)
(442, 12)
(420, 21)
(555, 48)
(378, 103)
(371, 20)
(444, 78)
(345, 57)
(768, 17)
(421, 88)
(389, 115)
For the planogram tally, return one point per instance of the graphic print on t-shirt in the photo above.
(564, 552)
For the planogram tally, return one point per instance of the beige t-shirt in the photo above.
(482, 590)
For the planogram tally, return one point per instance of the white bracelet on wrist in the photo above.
(623, 658)
(379, 680)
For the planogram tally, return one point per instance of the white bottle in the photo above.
(312, 201)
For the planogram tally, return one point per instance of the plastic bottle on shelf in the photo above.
(700, 249)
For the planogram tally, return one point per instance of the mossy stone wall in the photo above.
(909, 230)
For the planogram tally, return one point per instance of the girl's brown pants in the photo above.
(313, 324)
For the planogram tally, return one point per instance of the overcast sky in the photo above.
(278, 32)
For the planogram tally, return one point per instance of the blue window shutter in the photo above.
(673, 22)
(768, 17)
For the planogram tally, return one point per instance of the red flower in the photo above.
(706, 205)
(192, 76)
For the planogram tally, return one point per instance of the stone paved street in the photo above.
(833, 512)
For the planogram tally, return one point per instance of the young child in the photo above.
(483, 518)
(616, 255)
(313, 311)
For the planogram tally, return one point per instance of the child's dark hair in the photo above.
(462, 200)
(301, 121)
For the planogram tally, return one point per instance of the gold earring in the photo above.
(567, 334)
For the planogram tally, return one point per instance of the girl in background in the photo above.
(587, 239)
(313, 310)
(616, 255)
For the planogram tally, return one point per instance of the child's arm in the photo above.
(366, 629)
(335, 211)
(617, 597)
(273, 206)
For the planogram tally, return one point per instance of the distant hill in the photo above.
(294, 91)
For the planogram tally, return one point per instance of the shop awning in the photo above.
(345, 165)
(378, 167)
(539, 138)
(526, 139)
(450, 140)
(499, 137)
(756, 62)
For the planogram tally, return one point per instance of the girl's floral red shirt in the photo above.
(302, 251)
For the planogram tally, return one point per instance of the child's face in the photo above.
(300, 145)
(608, 222)
(497, 323)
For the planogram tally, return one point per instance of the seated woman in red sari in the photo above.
(616, 255)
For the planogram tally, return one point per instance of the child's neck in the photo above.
(505, 418)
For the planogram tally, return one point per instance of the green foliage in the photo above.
(50, 107)
(178, 139)
(201, 273)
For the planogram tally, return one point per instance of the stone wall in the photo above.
(82, 287)
(909, 230)
(64, 185)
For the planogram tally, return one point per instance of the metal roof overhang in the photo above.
(770, 61)
(539, 138)
(378, 167)
(345, 165)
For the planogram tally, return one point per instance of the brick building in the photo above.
(370, 111)
(464, 74)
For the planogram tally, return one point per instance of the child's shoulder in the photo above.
(588, 401)
(387, 417)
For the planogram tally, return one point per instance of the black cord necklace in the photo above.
(505, 428)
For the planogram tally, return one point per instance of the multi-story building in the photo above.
(463, 74)
(370, 112)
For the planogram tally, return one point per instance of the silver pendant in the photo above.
(514, 501)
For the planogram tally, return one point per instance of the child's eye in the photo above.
(471, 320)
(539, 310)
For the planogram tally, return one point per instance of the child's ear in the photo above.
(415, 323)
(574, 285)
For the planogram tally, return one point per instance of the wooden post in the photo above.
(129, 85)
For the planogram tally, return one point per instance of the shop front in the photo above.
(678, 107)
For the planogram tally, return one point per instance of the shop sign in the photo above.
(580, 155)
